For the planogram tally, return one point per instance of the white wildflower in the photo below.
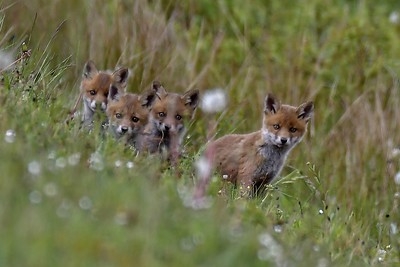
(6, 59)
(214, 100)
(34, 167)
(96, 161)
(10, 136)
(203, 167)
(397, 178)
(394, 17)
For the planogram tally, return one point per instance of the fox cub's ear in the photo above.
(158, 89)
(113, 94)
(305, 111)
(191, 98)
(147, 98)
(272, 105)
(121, 77)
(89, 70)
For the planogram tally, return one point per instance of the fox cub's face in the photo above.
(284, 125)
(171, 110)
(95, 85)
(127, 113)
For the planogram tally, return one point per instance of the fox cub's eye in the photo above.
(135, 119)
(276, 126)
(118, 115)
(92, 92)
(161, 114)
(293, 130)
(178, 117)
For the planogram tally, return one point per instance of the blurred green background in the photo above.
(337, 201)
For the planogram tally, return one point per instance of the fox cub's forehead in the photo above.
(135, 106)
(286, 116)
(101, 80)
(129, 104)
(170, 103)
(130, 100)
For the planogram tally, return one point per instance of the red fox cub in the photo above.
(95, 86)
(167, 119)
(251, 160)
(128, 114)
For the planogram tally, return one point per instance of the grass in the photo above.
(336, 204)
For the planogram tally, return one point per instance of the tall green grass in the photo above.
(72, 198)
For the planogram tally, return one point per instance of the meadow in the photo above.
(73, 198)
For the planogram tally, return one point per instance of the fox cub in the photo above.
(251, 160)
(95, 86)
(167, 119)
(128, 114)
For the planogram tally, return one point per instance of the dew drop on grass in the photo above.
(74, 159)
(397, 178)
(198, 239)
(6, 60)
(10, 136)
(393, 228)
(381, 255)
(266, 240)
(50, 189)
(235, 232)
(198, 203)
(35, 197)
(203, 167)
(121, 218)
(395, 152)
(130, 165)
(34, 167)
(190, 201)
(323, 262)
(63, 210)
(187, 244)
(96, 161)
(118, 163)
(270, 249)
(61, 162)
(263, 254)
(85, 203)
(51, 155)
(394, 17)
(278, 228)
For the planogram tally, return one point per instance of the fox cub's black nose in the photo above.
(124, 129)
(283, 140)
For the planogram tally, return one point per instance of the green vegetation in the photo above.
(337, 203)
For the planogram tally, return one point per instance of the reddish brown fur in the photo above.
(236, 156)
(128, 114)
(100, 84)
(95, 87)
(257, 158)
(169, 113)
(287, 117)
